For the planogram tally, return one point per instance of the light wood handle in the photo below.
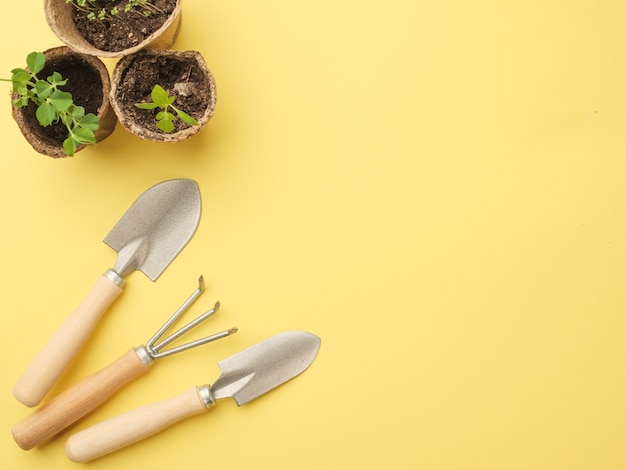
(61, 348)
(74, 403)
(124, 429)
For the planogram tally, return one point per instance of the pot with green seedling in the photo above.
(114, 28)
(163, 95)
(60, 101)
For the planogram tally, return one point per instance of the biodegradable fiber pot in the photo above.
(183, 74)
(90, 85)
(59, 15)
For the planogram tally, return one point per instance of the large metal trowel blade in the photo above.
(156, 227)
(265, 366)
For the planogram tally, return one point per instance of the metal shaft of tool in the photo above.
(178, 333)
(186, 304)
(193, 344)
(154, 350)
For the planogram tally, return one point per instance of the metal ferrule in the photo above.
(114, 277)
(206, 396)
(144, 355)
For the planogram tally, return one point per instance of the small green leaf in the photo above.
(20, 76)
(61, 100)
(147, 105)
(20, 89)
(56, 79)
(21, 102)
(35, 62)
(46, 114)
(165, 115)
(159, 96)
(90, 121)
(186, 117)
(66, 119)
(82, 135)
(166, 125)
(69, 146)
(43, 89)
(78, 112)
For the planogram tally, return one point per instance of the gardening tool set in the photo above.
(147, 238)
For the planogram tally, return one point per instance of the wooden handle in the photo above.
(74, 403)
(61, 348)
(124, 429)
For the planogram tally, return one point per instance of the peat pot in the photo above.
(89, 83)
(115, 36)
(184, 75)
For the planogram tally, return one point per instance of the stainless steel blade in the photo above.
(265, 366)
(156, 227)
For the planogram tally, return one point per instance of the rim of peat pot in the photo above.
(34, 132)
(118, 81)
(59, 17)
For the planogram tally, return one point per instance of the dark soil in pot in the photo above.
(183, 74)
(124, 30)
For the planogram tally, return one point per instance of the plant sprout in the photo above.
(96, 12)
(165, 118)
(53, 104)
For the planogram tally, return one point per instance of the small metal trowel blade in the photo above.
(265, 366)
(156, 227)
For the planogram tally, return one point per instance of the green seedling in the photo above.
(53, 104)
(96, 12)
(165, 118)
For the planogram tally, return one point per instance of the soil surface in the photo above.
(125, 29)
(83, 82)
(179, 76)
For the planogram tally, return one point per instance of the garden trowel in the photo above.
(244, 377)
(147, 238)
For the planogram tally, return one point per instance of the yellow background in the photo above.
(436, 189)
